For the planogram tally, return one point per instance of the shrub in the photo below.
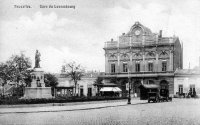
(16, 100)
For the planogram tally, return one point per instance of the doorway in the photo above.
(136, 89)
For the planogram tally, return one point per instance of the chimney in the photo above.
(160, 34)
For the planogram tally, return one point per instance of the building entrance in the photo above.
(136, 89)
(164, 85)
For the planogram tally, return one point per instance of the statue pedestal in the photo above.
(37, 92)
(37, 89)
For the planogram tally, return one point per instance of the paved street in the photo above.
(178, 112)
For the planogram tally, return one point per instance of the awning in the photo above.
(150, 86)
(110, 89)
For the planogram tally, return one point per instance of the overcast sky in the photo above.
(63, 35)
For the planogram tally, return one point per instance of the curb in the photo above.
(58, 104)
(101, 107)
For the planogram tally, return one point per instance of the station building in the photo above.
(143, 57)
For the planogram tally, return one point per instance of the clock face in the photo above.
(137, 32)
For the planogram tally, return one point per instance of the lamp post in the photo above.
(129, 90)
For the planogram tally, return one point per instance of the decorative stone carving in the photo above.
(124, 57)
(113, 56)
(163, 54)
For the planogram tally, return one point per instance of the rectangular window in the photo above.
(81, 91)
(125, 67)
(137, 67)
(150, 67)
(112, 68)
(164, 66)
(192, 90)
(180, 89)
(89, 92)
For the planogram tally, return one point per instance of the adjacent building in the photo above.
(85, 86)
(143, 57)
(187, 82)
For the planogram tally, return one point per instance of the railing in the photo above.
(111, 44)
(124, 44)
(115, 44)
(143, 72)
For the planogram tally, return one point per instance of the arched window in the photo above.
(164, 84)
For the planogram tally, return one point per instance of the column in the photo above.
(106, 63)
(170, 61)
(143, 60)
(118, 62)
(143, 39)
(156, 61)
(131, 63)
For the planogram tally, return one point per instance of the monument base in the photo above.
(37, 93)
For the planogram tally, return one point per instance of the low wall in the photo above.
(37, 92)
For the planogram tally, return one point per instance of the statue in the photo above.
(37, 59)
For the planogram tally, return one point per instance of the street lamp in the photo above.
(129, 90)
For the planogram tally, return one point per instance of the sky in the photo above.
(63, 35)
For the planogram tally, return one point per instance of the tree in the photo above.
(6, 74)
(19, 65)
(98, 83)
(50, 80)
(74, 71)
(15, 69)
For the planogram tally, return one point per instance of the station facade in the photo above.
(142, 57)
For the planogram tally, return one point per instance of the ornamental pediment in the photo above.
(137, 34)
(164, 54)
(124, 56)
(112, 56)
(137, 55)
(138, 30)
(150, 54)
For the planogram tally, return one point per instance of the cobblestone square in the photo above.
(177, 112)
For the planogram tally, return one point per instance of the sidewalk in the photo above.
(59, 107)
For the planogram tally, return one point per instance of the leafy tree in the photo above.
(50, 80)
(6, 74)
(74, 71)
(19, 65)
(16, 69)
(98, 80)
(98, 83)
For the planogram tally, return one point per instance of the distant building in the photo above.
(144, 57)
(7, 89)
(187, 81)
(85, 87)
